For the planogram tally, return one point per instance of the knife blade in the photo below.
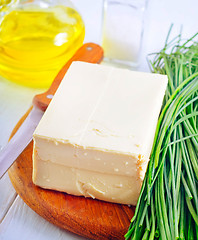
(89, 52)
(20, 140)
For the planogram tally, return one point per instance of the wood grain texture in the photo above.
(7, 196)
(22, 223)
(86, 217)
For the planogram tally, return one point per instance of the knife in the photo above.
(89, 52)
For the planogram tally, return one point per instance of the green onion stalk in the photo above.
(167, 207)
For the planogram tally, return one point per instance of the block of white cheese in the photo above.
(95, 137)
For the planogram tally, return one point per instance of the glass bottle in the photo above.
(37, 37)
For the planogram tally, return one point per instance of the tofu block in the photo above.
(95, 138)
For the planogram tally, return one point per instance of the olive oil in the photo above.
(36, 43)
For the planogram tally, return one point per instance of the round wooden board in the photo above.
(86, 217)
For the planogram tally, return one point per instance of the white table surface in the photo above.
(17, 220)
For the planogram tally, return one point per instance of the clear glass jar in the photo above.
(123, 31)
(37, 37)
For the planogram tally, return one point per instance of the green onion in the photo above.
(167, 207)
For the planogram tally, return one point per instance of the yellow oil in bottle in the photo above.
(35, 44)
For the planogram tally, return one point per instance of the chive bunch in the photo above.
(167, 207)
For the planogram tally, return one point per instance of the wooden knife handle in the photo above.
(89, 52)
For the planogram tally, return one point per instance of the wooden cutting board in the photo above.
(86, 217)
